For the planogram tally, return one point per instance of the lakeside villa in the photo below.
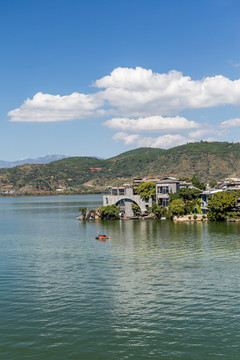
(124, 196)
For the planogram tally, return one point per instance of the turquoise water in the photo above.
(156, 290)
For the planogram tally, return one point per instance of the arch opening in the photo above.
(126, 207)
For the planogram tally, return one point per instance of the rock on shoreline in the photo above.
(197, 217)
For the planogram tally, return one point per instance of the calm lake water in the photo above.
(156, 290)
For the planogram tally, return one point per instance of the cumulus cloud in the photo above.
(151, 123)
(137, 101)
(133, 93)
(140, 92)
(164, 141)
(230, 123)
(48, 108)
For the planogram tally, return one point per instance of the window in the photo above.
(121, 191)
(114, 192)
(164, 202)
(163, 189)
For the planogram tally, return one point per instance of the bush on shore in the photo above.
(109, 212)
(221, 204)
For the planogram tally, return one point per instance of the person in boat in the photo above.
(102, 237)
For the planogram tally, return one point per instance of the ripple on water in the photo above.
(155, 290)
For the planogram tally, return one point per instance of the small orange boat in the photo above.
(102, 237)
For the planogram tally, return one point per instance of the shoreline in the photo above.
(50, 194)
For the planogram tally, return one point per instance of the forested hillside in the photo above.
(206, 160)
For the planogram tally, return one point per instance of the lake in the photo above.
(156, 290)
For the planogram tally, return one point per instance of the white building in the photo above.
(164, 187)
(204, 198)
(124, 197)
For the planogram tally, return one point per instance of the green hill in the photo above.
(206, 160)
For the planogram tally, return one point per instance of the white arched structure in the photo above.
(127, 201)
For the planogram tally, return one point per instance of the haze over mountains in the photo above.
(41, 160)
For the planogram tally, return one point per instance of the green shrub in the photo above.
(220, 204)
(176, 207)
(146, 189)
(83, 210)
(196, 182)
(109, 212)
(136, 209)
(159, 211)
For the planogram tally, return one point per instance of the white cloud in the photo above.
(140, 92)
(151, 123)
(48, 108)
(230, 123)
(164, 141)
(205, 130)
(126, 138)
(137, 98)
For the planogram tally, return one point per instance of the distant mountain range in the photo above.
(41, 160)
(206, 160)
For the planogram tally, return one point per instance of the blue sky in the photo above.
(103, 77)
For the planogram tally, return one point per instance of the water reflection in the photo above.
(155, 290)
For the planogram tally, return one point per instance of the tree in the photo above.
(136, 209)
(176, 207)
(190, 198)
(109, 212)
(185, 194)
(196, 182)
(83, 210)
(220, 204)
(189, 206)
(212, 184)
(198, 206)
(159, 211)
(146, 189)
(185, 178)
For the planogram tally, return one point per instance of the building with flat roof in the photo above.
(205, 196)
(164, 187)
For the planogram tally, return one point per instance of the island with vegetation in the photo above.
(184, 205)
